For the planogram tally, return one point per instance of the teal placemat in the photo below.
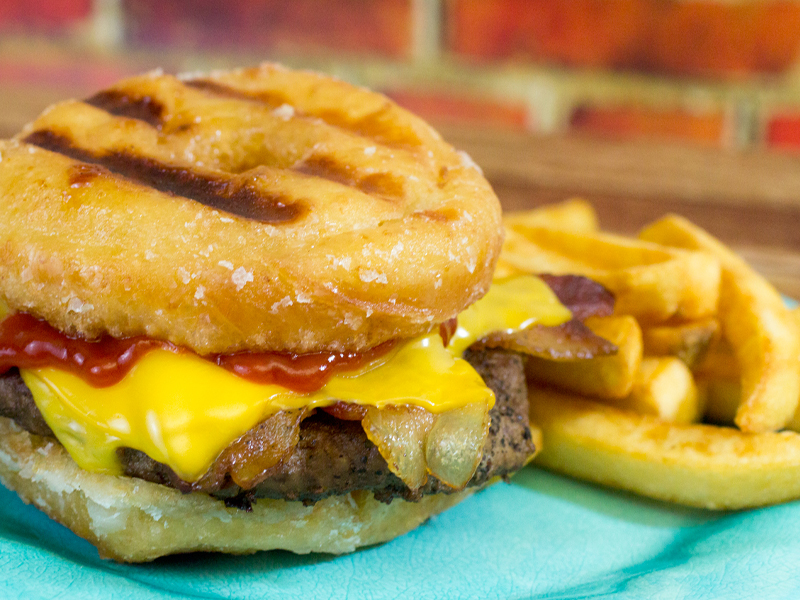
(541, 536)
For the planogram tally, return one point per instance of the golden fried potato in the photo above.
(719, 377)
(757, 324)
(722, 397)
(574, 215)
(719, 362)
(602, 376)
(664, 387)
(697, 465)
(688, 341)
(651, 282)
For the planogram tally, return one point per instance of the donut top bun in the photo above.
(260, 209)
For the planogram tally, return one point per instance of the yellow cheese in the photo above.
(509, 305)
(182, 410)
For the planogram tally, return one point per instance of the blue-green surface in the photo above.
(542, 536)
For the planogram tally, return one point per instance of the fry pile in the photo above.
(700, 404)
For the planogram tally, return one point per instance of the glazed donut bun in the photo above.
(261, 209)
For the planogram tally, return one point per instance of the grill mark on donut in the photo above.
(121, 104)
(271, 98)
(215, 192)
(382, 185)
(375, 126)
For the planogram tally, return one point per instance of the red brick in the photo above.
(633, 122)
(380, 26)
(450, 109)
(42, 13)
(682, 37)
(70, 73)
(783, 131)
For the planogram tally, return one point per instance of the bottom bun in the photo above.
(132, 520)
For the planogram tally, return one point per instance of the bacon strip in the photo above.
(568, 341)
(582, 296)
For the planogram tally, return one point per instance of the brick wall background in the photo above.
(719, 73)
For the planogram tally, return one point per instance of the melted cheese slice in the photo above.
(182, 410)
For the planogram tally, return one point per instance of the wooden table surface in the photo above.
(749, 200)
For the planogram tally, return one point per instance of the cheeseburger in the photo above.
(248, 311)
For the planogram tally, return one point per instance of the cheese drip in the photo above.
(182, 410)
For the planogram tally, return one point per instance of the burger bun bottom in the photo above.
(131, 520)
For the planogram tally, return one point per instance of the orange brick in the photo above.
(379, 26)
(682, 37)
(42, 13)
(47, 67)
(783, 131)
(634, 122)
(451, 109)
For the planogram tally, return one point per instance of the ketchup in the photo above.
(447, 330)
(29, 343)
(302, 373)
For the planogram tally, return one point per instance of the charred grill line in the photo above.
(120, 104)
(372, 126)
(149, 110)
(219, 193)
(273, 99)
(382, 185)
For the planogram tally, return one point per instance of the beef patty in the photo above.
(334, 456)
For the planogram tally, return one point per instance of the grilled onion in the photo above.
(416, 443)
(400, 432)
(250, 458)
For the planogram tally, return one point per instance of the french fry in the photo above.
(757, 324)
(664, 387)
(721, 398)
(651, 282)
(697, 465)
(571, 215)
(719, 377)
(686, 341)
(695, 300)
(604, 376)
(719, 362)
(574, 214)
